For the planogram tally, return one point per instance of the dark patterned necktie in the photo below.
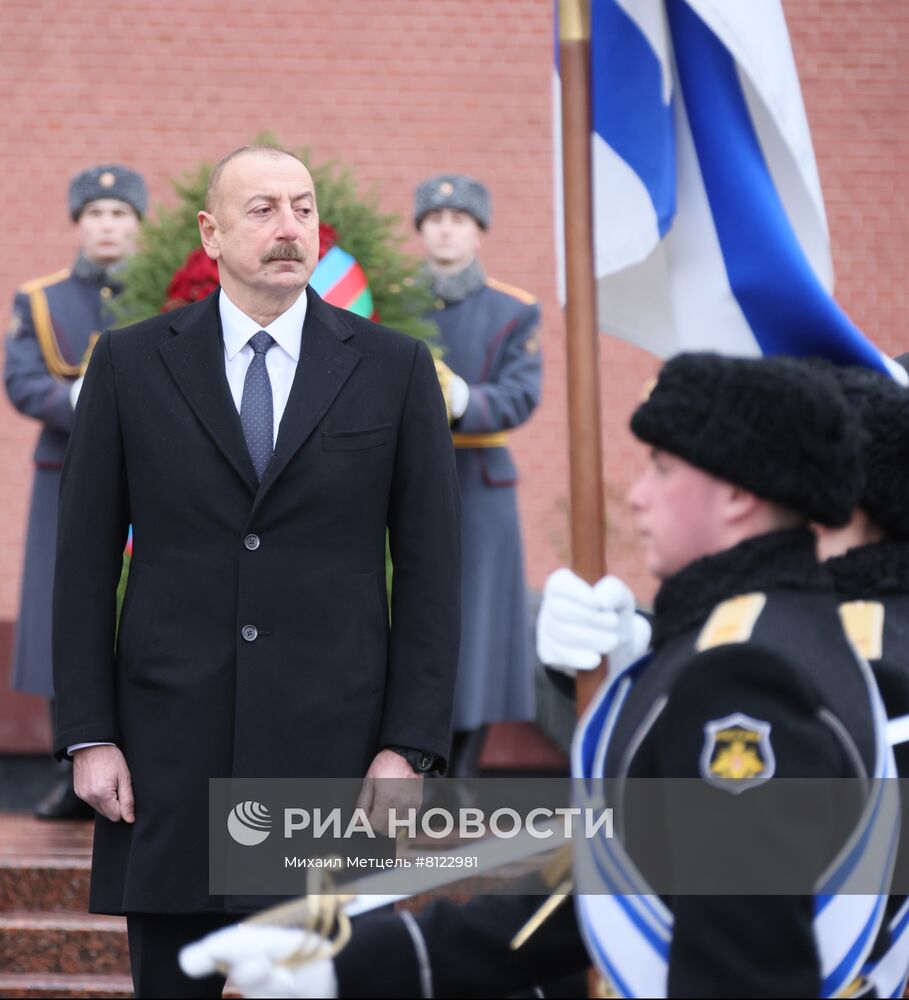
(256, 408)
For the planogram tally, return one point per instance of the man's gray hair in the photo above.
(214, 179)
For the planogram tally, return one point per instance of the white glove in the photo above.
(251, 955)
(578, 624)
(74, 391)
(459, 396)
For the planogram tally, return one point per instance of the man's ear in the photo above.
(739, 504)
(208, 233)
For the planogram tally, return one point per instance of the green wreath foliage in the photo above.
(400, 294)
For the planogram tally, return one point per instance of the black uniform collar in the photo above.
(97, 274)
(452, 288)
(779, 560)
(871, 570)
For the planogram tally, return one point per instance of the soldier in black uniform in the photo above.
(869, 561)
(55, 322)
(751, 680)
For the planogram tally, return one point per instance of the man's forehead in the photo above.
(683, 468)
(108, 205)
(266, 173)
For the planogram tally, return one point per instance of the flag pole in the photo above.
(588, 510)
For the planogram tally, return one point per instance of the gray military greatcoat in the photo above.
(491, 340)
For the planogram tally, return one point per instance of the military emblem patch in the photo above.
(107, 179)
(737, 754)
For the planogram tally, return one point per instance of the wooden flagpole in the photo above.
(588, 509)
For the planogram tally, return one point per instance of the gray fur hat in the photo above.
(778, 427)
(107, 180)
(458, 191)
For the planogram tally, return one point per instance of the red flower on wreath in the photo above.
(198, 276)
(328, 236)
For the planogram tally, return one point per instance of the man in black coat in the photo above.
(260, 442)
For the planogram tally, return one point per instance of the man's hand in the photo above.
(578, 624)
(404, 792)
(101, 778)
(255, 957)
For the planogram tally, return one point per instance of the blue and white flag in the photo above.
(709, 223)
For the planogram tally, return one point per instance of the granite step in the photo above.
(44, 866)
(63, 944)
(48, 885)
(39, 984)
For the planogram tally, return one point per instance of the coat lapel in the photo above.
(325, 364)
(194, 355)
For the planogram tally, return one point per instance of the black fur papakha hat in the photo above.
(883, 408)
(778, 427)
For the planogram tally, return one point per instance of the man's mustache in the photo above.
(283, 251)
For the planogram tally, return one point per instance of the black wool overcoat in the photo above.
(255, 638)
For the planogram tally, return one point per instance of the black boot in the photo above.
(61, 802)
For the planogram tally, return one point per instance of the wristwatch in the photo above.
(419, 760)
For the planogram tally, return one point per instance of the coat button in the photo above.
(251, 542)
(250, 633)
(106, 292)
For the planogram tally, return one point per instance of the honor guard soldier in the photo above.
(491, 377)
(55, 322)
(750, 680)
(869, 561)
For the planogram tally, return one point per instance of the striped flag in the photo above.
(709, 223)
(340, 280)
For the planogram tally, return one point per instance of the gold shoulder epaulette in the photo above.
(45, 333)
(863, 622)
(45, 282)
(731, 621)
(512, 290)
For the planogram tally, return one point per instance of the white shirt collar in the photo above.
(237, 327)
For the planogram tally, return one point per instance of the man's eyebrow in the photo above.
(273, 198)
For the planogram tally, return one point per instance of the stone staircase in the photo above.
(49, 945)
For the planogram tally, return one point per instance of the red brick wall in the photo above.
(399, 89)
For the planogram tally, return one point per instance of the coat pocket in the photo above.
(371, 437)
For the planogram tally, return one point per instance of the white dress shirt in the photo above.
(280, 361)
(281, 358)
